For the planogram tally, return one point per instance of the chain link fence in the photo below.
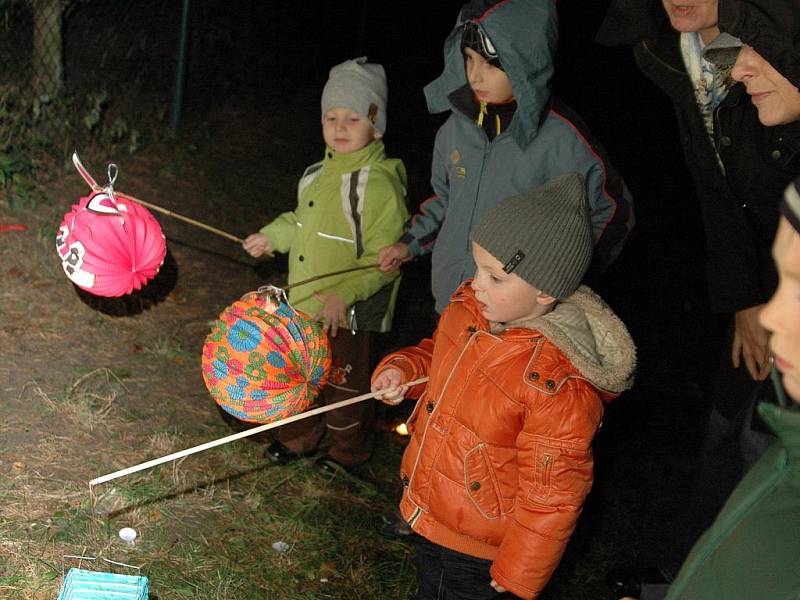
(83, 70)
(104, 71)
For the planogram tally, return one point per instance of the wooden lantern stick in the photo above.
(112, 176)
(181, 217)
(237, 436)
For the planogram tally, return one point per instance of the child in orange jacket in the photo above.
(500, 460)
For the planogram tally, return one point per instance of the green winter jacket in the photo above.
(752, 551)
(349, 206)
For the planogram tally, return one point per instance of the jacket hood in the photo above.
(783, 418)
(525, 34)
(771, 27)
(592, 337)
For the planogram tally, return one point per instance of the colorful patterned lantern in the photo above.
(263, 360)
(110, 245)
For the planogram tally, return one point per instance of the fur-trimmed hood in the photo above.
(591, 336)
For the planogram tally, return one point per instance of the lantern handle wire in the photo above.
(113, 171)
(89, 558)
(242, 434)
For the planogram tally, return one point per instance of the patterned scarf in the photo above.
(710, 82)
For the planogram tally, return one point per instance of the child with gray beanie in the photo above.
(522, 361)
(350, 204)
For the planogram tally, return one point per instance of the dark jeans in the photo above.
(444, 574)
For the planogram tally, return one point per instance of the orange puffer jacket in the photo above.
(500, 459)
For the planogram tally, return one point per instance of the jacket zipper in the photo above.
(430, 418)
(487, 151)
(546, 458)
(545, 471)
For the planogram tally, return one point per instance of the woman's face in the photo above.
(774, 96)
(692, 15)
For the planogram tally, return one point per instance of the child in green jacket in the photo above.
(350, 204)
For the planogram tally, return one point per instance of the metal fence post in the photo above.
(180, 69)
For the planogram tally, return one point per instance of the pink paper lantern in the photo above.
(110, 245)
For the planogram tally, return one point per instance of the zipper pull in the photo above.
(483, 111)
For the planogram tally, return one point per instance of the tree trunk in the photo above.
(48, 63)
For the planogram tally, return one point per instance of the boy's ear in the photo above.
(544, 299)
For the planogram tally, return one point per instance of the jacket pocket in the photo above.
(480, 482)
(543, 465)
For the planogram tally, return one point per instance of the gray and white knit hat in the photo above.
(543, 236)
(359, 86)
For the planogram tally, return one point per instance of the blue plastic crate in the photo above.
(80, 584)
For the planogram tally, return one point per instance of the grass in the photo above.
(217, 539)
(206, 524)
(166, 348)
(89, 401)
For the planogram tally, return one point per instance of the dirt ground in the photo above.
(52, 333)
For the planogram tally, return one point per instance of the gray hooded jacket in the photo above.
(471, 174)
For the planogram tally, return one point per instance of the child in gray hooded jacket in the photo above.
(505, 135)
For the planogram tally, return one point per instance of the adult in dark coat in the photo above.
(739, 168)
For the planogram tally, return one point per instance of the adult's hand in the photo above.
(751, 343)
(497, 587)
(391, 257)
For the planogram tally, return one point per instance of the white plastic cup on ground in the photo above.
(128, 535)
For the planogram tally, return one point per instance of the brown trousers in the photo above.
(351, 428)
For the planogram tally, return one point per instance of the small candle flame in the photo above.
(401, 429)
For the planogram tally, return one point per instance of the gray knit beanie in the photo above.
(359, 86)
(543, 236)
